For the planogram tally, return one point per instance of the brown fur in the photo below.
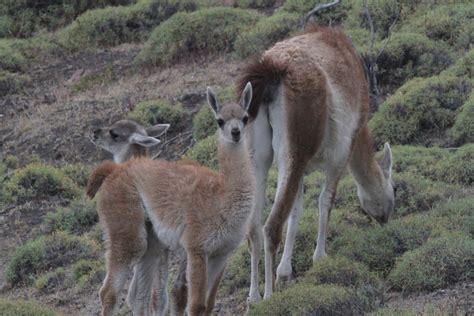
(98, 176)
(208, 211)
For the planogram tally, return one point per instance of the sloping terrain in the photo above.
(151, 61)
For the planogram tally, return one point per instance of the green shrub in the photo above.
(335, 15)
(418, 160)
(207, 31)
(10, 57)
(421, 111)
(204, 123)
(304, 299)
(87, 271)
(28, 17)
(266, 32)
(205, 152)
(255, 4)
(382, 12)
(47, 252)
(12, 83)
(24, 308)
(115, 25)
(156, 112)
(464, 67)
(416, 194)
(48, 281)
(77, 218)
(341, 271)
(79, 173)
(10, 161)
(38, 181)
(377, 246)
(444, 22)
(459, 167)
(6, 25)
(455, 215)
(100, 78)
(462, 131)
(440, 262)
(409, 55)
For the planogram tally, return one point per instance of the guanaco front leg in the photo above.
(216, 270)
(197, 282)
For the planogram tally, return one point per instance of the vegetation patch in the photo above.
(421, 111)
(24, 308)
(462, 131)
(77, 218)
(88, 271)
(265, 33)
(111, 26)
(305, 299)
(11, 83)
(154, 112)
(455, 215)
(47, 252)
(341, 271)
(336, 15)
(409, 55)
(95, 79)
(39, 182)
(204, 123)
(48, 281)
(79, 173)
(459, 167)
(204, 32)
(440, 262)
(205, 152)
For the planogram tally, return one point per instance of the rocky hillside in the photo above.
(69, 66)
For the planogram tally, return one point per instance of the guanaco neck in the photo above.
(363, 165)
(134, 151)
(235, 170)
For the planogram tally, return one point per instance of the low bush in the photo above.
(115, 25)
(11, 58)
(444, 22)
(28, 17)
(421, 111)
(48, 281)
(341, 271)
(38, 181)
(440, 262)
(24, 308)
(265, 33)
(204, 123)
(47, 252)
(87, 271)
(335, 15)
(455, 215)
(100, 78)
(378, 247)
(157, 112)
(462, 131)
(459, 167)
(204, 32)
(304, 299)
(79, 173)
(77, 218)
(409, 55)
(12, 83)
(205, 152)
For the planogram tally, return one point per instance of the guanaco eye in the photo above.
(114, 135)
(245, 119)
(220, 122)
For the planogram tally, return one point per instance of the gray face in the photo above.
(117, 138)
(380, 207)
(233, 117)
(232, 120)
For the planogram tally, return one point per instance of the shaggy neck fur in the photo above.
(134, 151)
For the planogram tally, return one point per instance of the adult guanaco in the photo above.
(310, 108)
(192, 209)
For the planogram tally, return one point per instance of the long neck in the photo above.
(363, 165)
(235, 166)
(134, 151)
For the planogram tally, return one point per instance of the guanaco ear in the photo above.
(246, 97)
(145, 141)
(213, 102)
(386, 163)
(157, 130)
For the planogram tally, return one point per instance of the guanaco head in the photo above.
(232, 117)
(126, 138)
(380, 204)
